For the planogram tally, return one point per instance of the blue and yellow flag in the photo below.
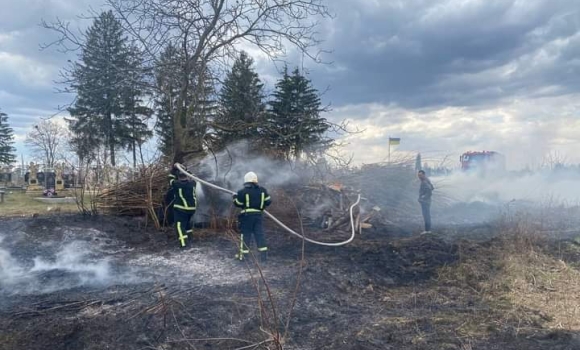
(394, 140)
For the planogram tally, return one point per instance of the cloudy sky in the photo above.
(445, 76)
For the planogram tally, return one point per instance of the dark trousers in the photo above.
(426, 210)
(183, 226)
(251, 225)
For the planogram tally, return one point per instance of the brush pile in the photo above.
(388, 192)
(322, 207)
(141, 196)
(392, 187)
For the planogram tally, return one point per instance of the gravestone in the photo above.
(59, 181)
(33, 184)
(17, 178)
(5, 176)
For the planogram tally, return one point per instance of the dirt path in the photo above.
(71, 283)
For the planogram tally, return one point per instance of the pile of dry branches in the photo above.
(143, 195)
(317, 206)
(389, 194)
(392, 187)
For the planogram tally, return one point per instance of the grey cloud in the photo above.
(20, 121)
(22, 14)
(22, 124)
(28, 74)
(415, 54)
(425, 53)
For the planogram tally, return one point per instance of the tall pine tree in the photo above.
(135, 113)
(241, 103)
(166, 99)
(294, 126)
(202, 109)
(103, 82)
(6, 141)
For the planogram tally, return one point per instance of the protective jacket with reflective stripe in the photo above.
(253, 199)
(184, 194)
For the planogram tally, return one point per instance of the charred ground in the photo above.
(484, 286)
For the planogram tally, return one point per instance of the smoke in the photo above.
(74, 265)
(10, 271)
(537, 188)
(472, 199)
(229, 167)
(74, 258)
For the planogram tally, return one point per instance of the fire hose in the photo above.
(280, 223)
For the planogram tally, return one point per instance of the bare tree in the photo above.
(553, 160)
(48, 140)
(209, 33)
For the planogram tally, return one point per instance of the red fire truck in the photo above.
(482, 161)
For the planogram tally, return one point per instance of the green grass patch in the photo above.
(17, 203)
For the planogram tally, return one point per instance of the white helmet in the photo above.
(251, 177)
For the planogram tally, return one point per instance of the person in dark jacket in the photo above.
(252, 199)
(425, 193)
(184, 205)
(166, 211)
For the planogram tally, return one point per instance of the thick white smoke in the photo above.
(10, 270)
(227, 169)
(75, 258)
(69, 267)
(537, 188)
(230, 166)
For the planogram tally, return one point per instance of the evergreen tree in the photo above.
(101, 80)
(166, 100)
(202, 109)
(294, 124)
(241, 103)
(189, 114)
(6, 141)
(136, 114)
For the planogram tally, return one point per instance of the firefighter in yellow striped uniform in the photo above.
(252, 199)
(184, 205)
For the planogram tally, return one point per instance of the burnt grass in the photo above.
(388, 289)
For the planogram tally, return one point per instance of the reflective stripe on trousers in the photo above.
(182, 237)
(182, 219)
(242, 250)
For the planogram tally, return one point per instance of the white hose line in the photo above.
(337, 244)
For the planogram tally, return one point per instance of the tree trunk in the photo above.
(180, 116)
(111, 138)
(178, 153)
(134, 155)
(112, 150)
(141, 153)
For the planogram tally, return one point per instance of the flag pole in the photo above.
(389, 154)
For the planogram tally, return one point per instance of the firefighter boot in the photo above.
(263, 257)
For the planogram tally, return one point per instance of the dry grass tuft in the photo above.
(521, 279)
(519, 284)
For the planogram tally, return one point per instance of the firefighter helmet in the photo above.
(251, 177)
